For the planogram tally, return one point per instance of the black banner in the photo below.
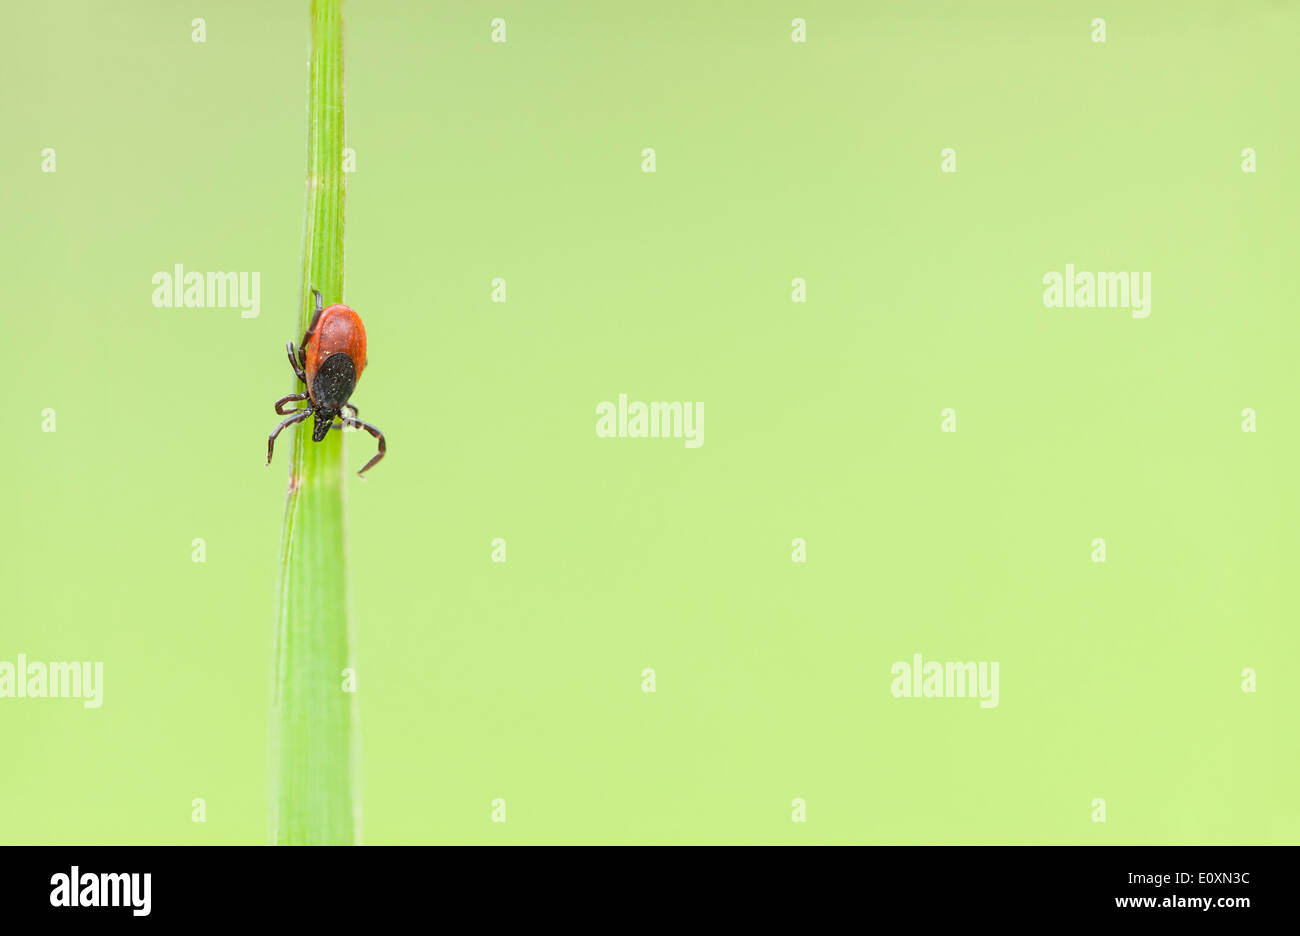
(137, 885)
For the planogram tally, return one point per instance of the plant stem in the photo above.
(314, 722)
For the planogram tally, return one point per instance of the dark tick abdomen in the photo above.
(336, 378)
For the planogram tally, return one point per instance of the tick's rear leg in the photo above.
(352, 406)
(291, 398)
(293, 361)
(295, 418)
(374, 432)
(311, 330)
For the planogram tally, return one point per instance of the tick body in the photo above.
(329, 362)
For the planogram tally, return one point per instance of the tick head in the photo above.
(324, 419)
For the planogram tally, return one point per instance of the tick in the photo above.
(329, 362)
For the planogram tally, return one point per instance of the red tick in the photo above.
(329, 361)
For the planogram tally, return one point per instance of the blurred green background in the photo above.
(775, 160)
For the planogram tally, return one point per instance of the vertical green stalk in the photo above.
(314, 723)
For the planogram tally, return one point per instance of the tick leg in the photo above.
(311, 329)
(291, 398)
(293, 361)
(352, 406)
(374, 432)
(295, 418)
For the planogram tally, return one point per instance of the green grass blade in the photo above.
(314, 734)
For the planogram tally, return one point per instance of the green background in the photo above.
(775, 160)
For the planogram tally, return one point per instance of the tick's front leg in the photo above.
(295, 418)
(291, 398)
(374, 432)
